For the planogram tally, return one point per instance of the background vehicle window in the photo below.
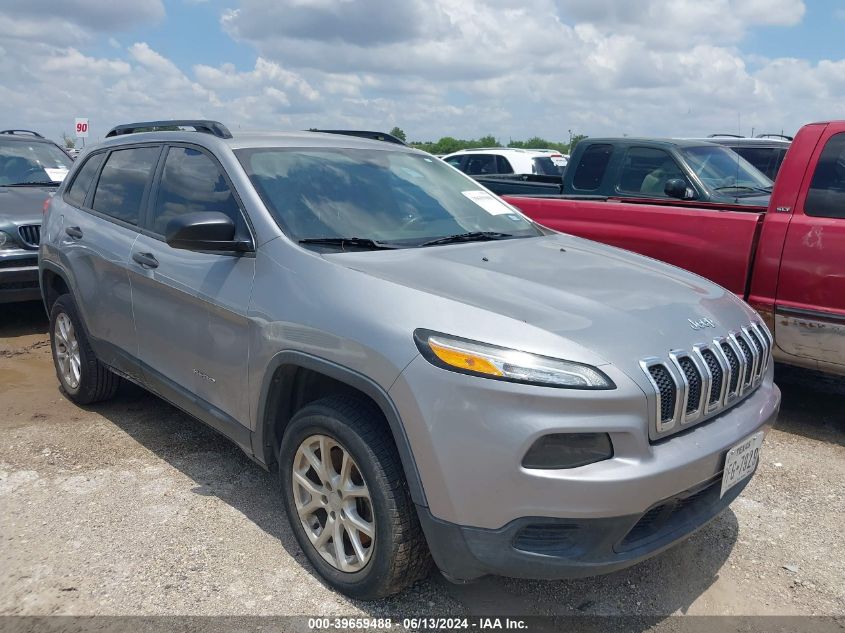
(480, 164)
(826, 197)
(122, 182)
(503, 166)
(647, 170)
(455, 161)
(192, 183)
(35, 162)
(84, 178)
(591, 167)
(545, 166)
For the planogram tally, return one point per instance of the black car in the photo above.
(31, 167)
(766, 152)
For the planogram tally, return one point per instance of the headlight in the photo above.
(6, 242)
(501, 363)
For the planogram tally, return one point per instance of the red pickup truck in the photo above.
(787, 260)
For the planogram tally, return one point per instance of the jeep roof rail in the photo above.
(780, 136)
(376, 136)
(19, 132)
(727, 135)
(200, 125)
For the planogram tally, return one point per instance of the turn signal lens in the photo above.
(492, 361)
(464, 360)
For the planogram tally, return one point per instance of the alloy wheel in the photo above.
(67, 351)
(333, 503)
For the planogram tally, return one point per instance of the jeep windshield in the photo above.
(724, 171)
(359, 198)
(25, 163)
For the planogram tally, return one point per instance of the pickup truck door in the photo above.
(716, 244)
(810, 303)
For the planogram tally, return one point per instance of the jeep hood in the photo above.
(620, 305)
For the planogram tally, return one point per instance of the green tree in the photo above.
(399, 133)
(69, 142)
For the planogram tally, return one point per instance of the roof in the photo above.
(259, 138)
(664, 142)
(500, 150)
(750, 142)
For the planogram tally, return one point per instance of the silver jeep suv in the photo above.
(431, 374)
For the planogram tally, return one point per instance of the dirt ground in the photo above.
(132, 508)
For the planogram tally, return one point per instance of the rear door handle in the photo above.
(146, 260)
(74, 231)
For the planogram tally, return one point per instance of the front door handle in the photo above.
(147, 260)
(74, 231)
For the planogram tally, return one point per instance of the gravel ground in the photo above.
(132, 508)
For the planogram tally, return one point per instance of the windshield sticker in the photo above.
(491, 204)
(56, 175)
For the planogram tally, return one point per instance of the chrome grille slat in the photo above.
(693, 385)
(30, 234)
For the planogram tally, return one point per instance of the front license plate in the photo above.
(741, 461)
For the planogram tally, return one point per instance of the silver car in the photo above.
(433, 376)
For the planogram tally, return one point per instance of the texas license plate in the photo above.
(741, 461)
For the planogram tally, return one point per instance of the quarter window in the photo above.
(590, 170)
(503, 166)
(192, 183)
(120, 190)
(826, 197)
(84, 178)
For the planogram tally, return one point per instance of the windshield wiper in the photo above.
(31, 184)
(357, 242)
(743, 188)
(474, 236)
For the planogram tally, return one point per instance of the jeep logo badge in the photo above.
(701, 323)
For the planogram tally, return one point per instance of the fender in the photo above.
(264, 452)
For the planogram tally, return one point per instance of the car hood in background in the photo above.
(23, 205)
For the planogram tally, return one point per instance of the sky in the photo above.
(462, 68)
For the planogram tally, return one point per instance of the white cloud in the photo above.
(438, 67)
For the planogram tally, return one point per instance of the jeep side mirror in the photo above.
(677, 188)
(205, 231)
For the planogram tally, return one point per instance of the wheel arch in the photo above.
(292, 379)
(54, 283)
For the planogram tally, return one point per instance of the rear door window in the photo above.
(592, 166)
(78, 191)
(191, 182)
(123, 182)
(826, 197)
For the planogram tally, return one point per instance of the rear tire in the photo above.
(81, 375)
(395, 555)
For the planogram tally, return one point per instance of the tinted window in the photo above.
(722, 169)
(401, 197)
(84, 178)
(455, 161)
(544, 165)
(192, 183)
(826, 197)
(647, 170)
(591, 167)
(503, 166)
(120, 189)
(480, 164)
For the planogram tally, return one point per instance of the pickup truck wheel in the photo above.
(82, 376)
(347, 499)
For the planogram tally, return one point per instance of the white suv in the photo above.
(503, 160)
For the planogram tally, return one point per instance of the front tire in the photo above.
(347, 500)
(82, 376)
